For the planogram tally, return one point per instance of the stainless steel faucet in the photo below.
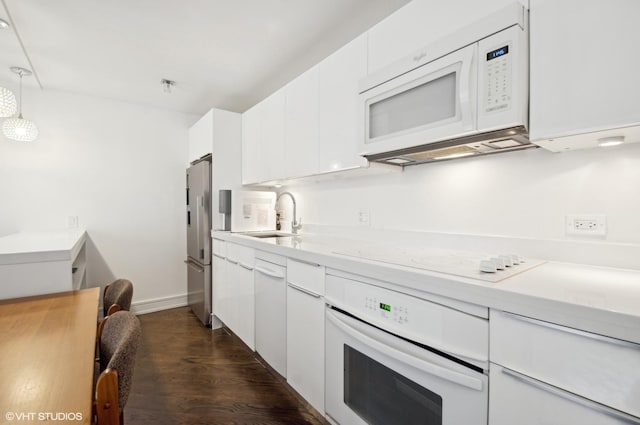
(295, 224)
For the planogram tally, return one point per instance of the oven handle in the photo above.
(438, 346)
(433, 369)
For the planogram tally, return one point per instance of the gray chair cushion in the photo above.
(118, 347)
(119, 292)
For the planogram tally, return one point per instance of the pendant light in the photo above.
(18, 128)
(8, 105)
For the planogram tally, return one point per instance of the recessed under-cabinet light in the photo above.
(610, 141)
(454, 155)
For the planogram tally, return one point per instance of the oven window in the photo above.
(380, 396)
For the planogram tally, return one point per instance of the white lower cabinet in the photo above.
(305, 331)
(518, 399)
(219, 290)
(238, 293)
(544, 373)
(271, 319)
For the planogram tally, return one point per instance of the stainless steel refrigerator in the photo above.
(199, 238)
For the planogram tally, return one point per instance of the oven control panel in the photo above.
(411, 317)
(396, 312)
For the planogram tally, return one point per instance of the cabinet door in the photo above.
(271, 319)
(420, 23)
(584, 69)
(301, 125)
(253, 164)
(272, 143)
(305, 345)
(240, 260)
(518, 399)
(339, 75)
(245, 305)
(219, 288)
(596, 367)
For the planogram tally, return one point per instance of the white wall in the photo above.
(120, 168)
(517, 194)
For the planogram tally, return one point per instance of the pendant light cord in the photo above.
(20, 104)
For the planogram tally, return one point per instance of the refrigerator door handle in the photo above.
(194, 266)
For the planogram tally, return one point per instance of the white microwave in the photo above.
(465, 95)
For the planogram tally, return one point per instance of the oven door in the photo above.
(373, 377)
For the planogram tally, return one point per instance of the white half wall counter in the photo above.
(36, 263)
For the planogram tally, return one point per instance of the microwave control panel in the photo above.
(498, 68)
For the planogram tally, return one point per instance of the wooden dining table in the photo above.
(47, 351)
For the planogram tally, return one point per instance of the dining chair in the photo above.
(118, 346)
(117, 296)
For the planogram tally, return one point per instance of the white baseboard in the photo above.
(158, 304)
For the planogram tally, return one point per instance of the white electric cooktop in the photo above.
(476, 265)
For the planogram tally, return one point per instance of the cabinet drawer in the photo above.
(518, 399)
(309, 276)
(219, 248)
(240, 254)
(599, 368)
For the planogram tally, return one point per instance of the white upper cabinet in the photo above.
(201, 137)
(420, 23)
(339, 75)
(263, 140)
(301, 125)
(219, 133)
(253, 166)
(584, 71)
(273, 109)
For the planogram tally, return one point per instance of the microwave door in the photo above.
(425, 105)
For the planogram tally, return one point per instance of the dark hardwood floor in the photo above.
(188, 374)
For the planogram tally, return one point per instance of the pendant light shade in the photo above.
(18, 128)
(8, 104)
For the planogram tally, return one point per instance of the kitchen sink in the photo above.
(264, 235)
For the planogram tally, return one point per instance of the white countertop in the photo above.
(602, 300)
(30, 247)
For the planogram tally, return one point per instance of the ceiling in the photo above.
(227, 54)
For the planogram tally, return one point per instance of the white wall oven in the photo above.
(394, 358)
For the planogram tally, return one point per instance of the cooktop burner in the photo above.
(487, 267)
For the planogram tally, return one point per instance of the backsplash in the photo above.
(523, 195)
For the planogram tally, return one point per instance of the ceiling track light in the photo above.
(167, 85)
(4, 24)
(18, 128)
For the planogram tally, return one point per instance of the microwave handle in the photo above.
(467, 83)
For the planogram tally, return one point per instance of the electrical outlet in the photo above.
(586, 224)
(364, 218)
